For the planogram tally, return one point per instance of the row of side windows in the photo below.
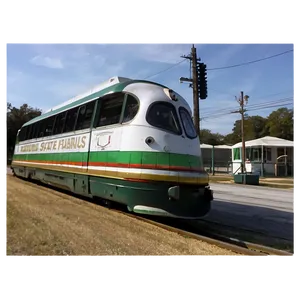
(113, 109)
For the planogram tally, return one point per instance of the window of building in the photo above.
(280, 151)
(236, 154)
(256, 154)
(267, 154)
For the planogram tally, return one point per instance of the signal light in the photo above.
(202, 80)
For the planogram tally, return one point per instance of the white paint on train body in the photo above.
(122, 137)
(64, 143)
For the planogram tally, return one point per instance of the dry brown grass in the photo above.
(42, 221)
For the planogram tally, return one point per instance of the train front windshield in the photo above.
(187, 122)
(163, 115)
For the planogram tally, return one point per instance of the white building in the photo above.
(266, 156)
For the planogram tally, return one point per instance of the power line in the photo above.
(220, 68)
(166, 69)
(252, 109)
(228, 109)
(208, 109)
(251, 62)
(223, 115)
(220, 92)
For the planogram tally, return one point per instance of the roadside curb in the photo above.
(263, 184)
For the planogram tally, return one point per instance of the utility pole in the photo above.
(198, 74)
(243, 100)
(195, 91)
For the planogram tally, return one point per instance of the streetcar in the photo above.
(127, 141)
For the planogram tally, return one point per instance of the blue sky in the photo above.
(44, 75)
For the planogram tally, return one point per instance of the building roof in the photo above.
(207, 146)
(266, 141)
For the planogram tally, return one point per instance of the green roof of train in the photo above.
(118, 87)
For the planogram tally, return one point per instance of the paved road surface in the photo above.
(263, 209)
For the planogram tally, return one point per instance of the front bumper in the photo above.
(203, 193)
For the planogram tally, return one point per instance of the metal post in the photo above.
(195, 91)
(213, 159)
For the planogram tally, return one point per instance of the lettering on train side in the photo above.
(29, 148)
(71, 143)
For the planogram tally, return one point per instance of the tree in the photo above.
(207, 137)
(254, 128)
(16, 117)
(230, 139)
(280, 123)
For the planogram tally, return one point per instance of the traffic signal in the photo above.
(202, 80)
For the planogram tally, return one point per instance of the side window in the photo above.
(187, 123)
(110, 109)
(42, 128)
(163, 115)
(59, 123)
(71, 119)
(35, 128)
(131, 108)
(49, 126)
(22, 135)
(85, 116)
(29, 132)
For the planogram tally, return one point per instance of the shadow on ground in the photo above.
(261, 225)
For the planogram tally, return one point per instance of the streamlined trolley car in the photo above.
(129, 141)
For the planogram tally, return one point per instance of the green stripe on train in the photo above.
(133, 157)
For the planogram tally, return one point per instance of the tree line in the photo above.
(280, 123)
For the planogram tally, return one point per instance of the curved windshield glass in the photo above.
(163, 115)
(187, 123)
(131, 108)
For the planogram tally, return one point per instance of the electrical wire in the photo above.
(261, 108)
(228, 110)
(166, 69)
(221, 68)
(251, 62)
(251, 109)
(246, 110)
(250, 106)
(211, 110)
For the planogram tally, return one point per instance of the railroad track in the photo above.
(235, 245)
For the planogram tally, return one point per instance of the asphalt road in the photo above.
(262, 209)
